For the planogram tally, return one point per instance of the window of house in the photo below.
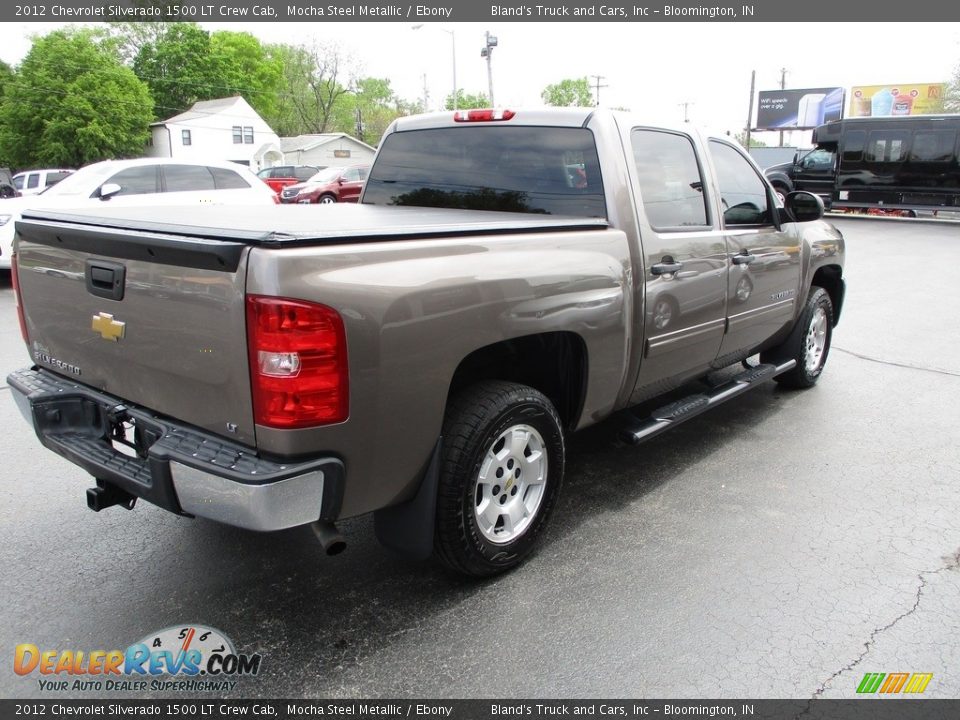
(237, 135)
(185, 135)
(248, 136)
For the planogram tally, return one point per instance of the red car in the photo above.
(335, 184)
(279, 176)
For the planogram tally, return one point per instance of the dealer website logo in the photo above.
(184, 657)
(892, 683)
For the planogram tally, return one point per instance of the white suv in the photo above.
(32, 182)
(147, 181)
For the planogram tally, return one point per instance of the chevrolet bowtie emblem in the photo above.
(108, 328)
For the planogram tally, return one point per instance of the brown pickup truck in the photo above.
(506, 279)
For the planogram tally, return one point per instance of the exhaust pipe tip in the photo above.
(330, 538)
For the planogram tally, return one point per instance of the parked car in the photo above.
(333, 185)
(280, 176)
(148, 181)
(7, 190)
(34, 182)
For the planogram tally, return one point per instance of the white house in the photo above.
(325, 150)
(226, 129)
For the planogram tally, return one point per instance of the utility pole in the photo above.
(753, 85)
(597, 86)
(686, 107)
(426, 94)
(487, 52)
(783, 86)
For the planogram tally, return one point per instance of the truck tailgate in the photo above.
(157, 320)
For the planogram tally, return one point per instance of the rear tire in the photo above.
(808, 343)
(500, 474)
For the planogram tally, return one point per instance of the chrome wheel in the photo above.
(510, 485)
(815, 342)
(328, 200)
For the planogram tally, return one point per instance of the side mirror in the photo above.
(108, 190)
(803, 206)
(796, 156)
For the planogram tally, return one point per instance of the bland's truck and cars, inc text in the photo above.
(506, 279)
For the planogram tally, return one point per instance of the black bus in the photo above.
(900, 164)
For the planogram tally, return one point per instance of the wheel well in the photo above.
(829, 278)
(553, 363)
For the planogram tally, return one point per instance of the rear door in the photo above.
(352, 183)
(765, 260)
(685, 262)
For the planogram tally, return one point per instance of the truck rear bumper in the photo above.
(177, 467)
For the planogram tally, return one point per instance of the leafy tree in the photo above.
(178, 70)
(741, 137)
(241, 66)
(568, 93)
(467, 101)
(73, 102)
(368, 110)
(951, 101)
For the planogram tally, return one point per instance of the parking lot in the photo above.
(780, 546)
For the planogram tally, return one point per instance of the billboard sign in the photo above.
(798, 109)
(887, 100)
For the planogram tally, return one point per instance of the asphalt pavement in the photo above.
(782, 545)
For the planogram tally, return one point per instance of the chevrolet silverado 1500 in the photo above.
(507, 278)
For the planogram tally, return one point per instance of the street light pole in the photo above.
(453, 58)
(487, 52)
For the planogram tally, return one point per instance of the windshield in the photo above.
(544, 170)
(83, 182)
(326, 176)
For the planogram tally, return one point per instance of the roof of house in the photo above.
(308, 142)
(204, 109)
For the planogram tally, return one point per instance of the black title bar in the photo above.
(68, 11)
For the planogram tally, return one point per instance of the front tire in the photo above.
(327, 199)
(808, 343)
(501, 472)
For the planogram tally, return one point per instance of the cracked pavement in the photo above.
(779, 546)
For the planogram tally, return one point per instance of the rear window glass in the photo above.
(227, 179)
(542, 170)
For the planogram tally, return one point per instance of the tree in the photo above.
(466, 101)
(568, 93)
(73, 102)
(368, 110)
(241, 66)
(313, 80)
(178, 70)
(741, 137)
(951, 100)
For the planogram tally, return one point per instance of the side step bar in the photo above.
(691, 406)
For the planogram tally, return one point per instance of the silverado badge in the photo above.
(108, 328)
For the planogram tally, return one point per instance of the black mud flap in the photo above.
(408, 528)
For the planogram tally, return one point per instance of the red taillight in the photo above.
(276, 198)
(298, 363)
(19, 301)
(488, 115)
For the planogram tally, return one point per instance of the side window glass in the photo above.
(818, 160)
(305, 172)
(670, 181)
(351, 175)
(743, 194)
(227, 179)
(18, 182)
(932, 146)
(183, 178)
(136, 180)
(853, 143)
(33, 180)
(887, 146)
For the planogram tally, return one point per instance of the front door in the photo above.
(765, 260)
